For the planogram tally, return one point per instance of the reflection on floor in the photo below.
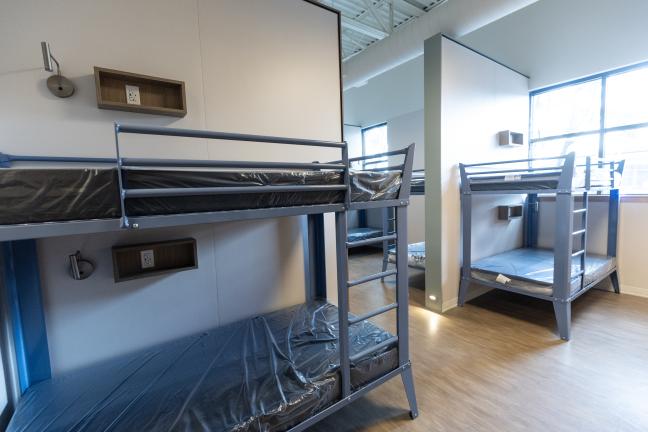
(496, 364)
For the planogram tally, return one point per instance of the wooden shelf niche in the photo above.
(165, 257)
(156, 95)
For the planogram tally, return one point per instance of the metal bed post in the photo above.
(342, 255)
(316, 257)
(402, 284)
(563, 244)
(613, 222)
(466, 226)
(531, 221)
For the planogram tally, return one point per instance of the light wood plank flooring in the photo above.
(497, 364)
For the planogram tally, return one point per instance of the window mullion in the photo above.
(602, 118)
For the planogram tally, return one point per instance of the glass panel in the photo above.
(631, 145)
(574, 108)
(585, 145)
(626, 98)
(375, 141)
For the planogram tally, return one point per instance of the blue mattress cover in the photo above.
(363, 233)
(532, 269)
(266, 373)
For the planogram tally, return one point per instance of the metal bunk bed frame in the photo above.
(30, 337)
(565, 192)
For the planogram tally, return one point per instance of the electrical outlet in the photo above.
(132, 95)
(147, 258)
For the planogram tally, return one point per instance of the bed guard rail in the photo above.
(124, 164)
(594, 173)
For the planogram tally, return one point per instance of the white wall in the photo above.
(250, 66)
(585, 37)
(468, 100)
(554, 41)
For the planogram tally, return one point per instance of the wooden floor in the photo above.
(498, 365)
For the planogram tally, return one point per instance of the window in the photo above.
(605, 115)
(374, 140)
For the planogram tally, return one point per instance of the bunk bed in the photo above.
(280, 371)
(568, 271)
(415, 251)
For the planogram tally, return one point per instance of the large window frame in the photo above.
(602, 130)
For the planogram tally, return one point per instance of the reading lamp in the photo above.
(57, 84)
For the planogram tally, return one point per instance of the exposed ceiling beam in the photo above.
(363, 28)
(374, 14)
(408, 8)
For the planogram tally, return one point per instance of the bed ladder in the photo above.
(401, 339)
(582, 234)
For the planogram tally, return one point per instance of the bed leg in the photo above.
(463, 291)
(563, 318)
(614, 277)
(408, 382)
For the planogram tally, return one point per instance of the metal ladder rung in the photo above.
(370, 241)
(582, 210)
(579, 232)
(372, 314)
(578, 253)
(371, 278)
(385, 344)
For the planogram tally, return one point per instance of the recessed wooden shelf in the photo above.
(157, 95)
(508, 212)
(129, 262)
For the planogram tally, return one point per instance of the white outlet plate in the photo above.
(147, 258)
(132, 95)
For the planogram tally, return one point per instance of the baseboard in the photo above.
(635, 291)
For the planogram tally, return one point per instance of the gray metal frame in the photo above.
(565, 192)
(316, 286)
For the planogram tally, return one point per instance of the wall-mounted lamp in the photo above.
(80, 268)
(57, 84)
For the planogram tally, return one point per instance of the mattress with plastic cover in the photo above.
(514, 182)
(532, 270)
(266, 373)
(417, 183)
(363, 233)
(415, 255)
(33, 195)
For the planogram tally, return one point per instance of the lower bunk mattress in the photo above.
(363, 233)
(49, 195)
(415, 255)
(266, 373)
(532, 270)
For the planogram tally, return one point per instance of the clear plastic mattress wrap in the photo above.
(415, 255)
(266, 373)
(46, 195)
(532, 270)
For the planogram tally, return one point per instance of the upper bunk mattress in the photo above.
(266, 373)
(49, 195)
(532, 270)
(514, 182)
(415, 255)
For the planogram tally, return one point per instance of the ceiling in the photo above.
(365, 22)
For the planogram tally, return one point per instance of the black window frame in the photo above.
(362, 134)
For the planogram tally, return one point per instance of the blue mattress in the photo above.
(532, 270)
(266, 373)
(366, 233)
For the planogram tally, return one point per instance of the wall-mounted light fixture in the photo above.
(57, 84)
